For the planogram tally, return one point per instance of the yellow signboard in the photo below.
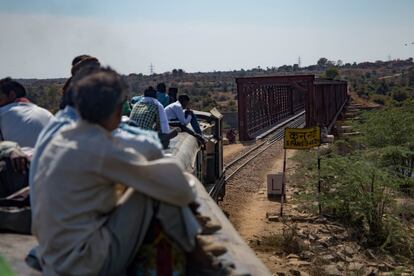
(302, 138)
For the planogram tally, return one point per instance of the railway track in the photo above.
(238, 163)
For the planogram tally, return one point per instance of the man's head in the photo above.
(150, 92)
(84, 66)
(173, 91)
(10, 90)
(161, 87)
(79, 58)
(184, 100)
(99, 98)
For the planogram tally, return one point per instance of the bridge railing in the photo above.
(264, 102)
(325, 102)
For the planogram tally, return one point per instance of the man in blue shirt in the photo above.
(162, 95)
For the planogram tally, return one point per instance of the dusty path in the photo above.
(246, 200)
(231, 151)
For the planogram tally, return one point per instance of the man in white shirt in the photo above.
(20, 120)
(175, 112)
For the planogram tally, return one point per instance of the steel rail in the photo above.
(297, 122)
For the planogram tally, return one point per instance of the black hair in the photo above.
(183, 98)
(150, 92)
(79, 58)
(8, 84)
(161, 87)
(172, 94)
(81, 72)
(86, 62)
(172, 90)
(98, 95)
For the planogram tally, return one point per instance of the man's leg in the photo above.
(127, 225)
(195, 125)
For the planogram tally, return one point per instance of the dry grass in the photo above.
(285, 242)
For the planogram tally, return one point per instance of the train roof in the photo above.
(183, 148)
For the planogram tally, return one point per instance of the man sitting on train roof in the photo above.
(162, 95)
(147, 142)
(20, 120)
(81, 228)
(172, 94)
(177, 116)
(148, 113)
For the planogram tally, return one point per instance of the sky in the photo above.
(39, 38)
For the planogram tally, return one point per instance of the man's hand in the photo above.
(18, 161)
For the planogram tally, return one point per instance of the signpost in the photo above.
(300, 138)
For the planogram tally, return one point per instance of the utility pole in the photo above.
(151, 68)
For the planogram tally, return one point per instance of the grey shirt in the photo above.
(75, 191)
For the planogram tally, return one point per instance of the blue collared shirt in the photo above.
(163, 98)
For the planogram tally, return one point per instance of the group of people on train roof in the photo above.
(98, 183)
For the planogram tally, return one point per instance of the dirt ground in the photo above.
(328, 248)
(231, 151)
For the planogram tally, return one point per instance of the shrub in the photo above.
(357, 193)
(287, 241)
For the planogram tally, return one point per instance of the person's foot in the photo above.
(209, 228)
(210, 247)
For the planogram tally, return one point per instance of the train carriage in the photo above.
(207, 165)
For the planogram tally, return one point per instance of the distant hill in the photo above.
(218, 88)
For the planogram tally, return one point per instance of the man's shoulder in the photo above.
(173, 105)
(81, 137)
(21, 106)
(42, 110)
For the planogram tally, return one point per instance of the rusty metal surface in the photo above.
(265, 101)
(327, 98)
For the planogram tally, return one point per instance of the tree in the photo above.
(295, 67)
(400, 94)
(411, 77)
(332, 73)
(383, 88)
(322, 62)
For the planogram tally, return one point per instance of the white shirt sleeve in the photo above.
(179, 112)
(165, 127)
(130, 168)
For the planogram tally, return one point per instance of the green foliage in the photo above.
(322, 62)
(5, 269)
(400, 159)
(332, 73)
(357, 193)
(362, 179)
(393, 126)
(380, 99)
(400, 94)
